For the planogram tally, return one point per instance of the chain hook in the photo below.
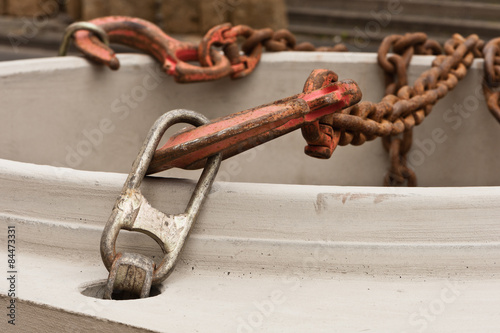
(225, 35)
(173, 54)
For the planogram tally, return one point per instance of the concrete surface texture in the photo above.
(261, 257)
(176, 16)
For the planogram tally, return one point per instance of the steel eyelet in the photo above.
(135, 273)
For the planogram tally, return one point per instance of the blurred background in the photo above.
(34, 28)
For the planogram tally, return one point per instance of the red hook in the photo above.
(143, 35)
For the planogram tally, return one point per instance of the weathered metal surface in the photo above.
(302, 243)
(226, 35)
(399, 172)
(405, 106)
(402, 108)
(397, 113)
(320, 136)
(72, 28)
(130, 276)
(241, 131)
(175, 55)
(492, 76)
(133, 212)
(446, 232)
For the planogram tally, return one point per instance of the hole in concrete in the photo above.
(96, 290)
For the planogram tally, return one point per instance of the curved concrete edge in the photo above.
(71, 131)
(347, 57)
(388, 227)
(16, 67)
(263, 257)
(9, 68)
(197, 298)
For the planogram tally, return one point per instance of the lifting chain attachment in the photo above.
(243, 130)
(393, 118)
(203, 146)
(405, 106)
(134, 273)
(175, 55)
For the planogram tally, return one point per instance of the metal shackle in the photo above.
(133, 212)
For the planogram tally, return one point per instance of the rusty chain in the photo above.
(404, 106)
(492, 76)
(247, 57)
(393, 118)
(332, 120)
(177, 56)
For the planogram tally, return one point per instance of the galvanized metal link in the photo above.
(134, 273)
(72, 28)
(131, 274)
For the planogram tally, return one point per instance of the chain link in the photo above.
(393, 118)
(404, 106)
(492, 76)
(245, 58)
(399, 173)
(396, 76)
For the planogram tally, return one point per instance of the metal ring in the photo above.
(72, 28)
(119, 218)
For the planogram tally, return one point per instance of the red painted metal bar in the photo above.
(241, 131)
